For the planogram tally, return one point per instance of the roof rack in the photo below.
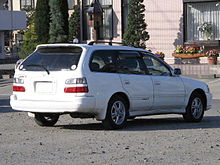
(104, 42)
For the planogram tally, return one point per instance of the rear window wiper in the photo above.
(40, 66)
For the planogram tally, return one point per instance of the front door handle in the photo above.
(126, 82)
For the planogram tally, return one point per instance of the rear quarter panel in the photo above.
(101, 85)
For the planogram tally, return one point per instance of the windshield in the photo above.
(52, 59)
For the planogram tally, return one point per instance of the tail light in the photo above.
(76, 90)
(80, 85)
(18, 89)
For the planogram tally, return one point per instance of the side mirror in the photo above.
(177, 71)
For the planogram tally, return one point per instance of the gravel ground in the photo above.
(152, 140)
(146, 140)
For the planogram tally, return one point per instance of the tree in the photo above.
(135, 34)
(74, 23)
(29, 13)
(42, 20)
(58, 31)
(30, 39)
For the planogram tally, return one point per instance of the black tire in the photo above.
(195, 108)
(46, 119)
(117, 113)
(131, 117)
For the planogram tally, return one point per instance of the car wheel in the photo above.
(117, 113)
(46, 119)
(195, 108)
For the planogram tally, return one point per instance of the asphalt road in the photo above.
(164, 139)
(5, 92)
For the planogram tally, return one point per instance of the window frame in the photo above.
(185, 2)
(196, 1)
(86, 26)
(22, 5)
(115, 59)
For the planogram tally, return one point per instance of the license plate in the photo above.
(44, 87)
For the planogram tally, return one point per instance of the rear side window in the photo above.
(103, 61)
(53, 59)
(130, 62)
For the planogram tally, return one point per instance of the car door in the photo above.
(169, 92)
(134, 80)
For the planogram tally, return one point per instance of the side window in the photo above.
(130, 63)
(103, 61)
(155, 67)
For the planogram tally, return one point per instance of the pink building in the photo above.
(170, 23)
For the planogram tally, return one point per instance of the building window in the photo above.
(202, 13)
(106, 31)
(27, 4)
(125, 4)
(72, 3)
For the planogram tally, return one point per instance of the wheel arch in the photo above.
(124, 96)
(111, 123)
(200, 92)
(102, 116)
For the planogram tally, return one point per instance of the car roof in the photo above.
(94, 47)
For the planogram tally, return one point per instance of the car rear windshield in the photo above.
(53, 59)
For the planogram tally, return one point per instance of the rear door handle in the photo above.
(156, 82)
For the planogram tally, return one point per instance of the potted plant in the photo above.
(206, 30)
(212, 56)
(161, 55)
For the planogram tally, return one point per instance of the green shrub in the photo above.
(135, 34)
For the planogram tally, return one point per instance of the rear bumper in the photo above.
(78, 104)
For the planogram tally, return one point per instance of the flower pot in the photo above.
(183, 55)
(212, 60)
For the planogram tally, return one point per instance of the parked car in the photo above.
(109, 83)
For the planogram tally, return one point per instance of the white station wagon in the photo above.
(109, 83)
